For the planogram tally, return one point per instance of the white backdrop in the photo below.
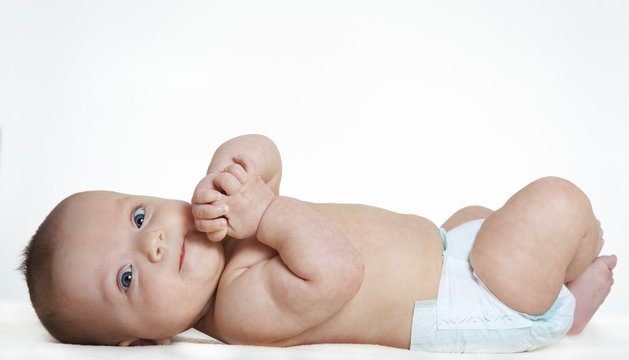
(419, 107)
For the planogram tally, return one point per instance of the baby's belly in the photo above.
(402, 257)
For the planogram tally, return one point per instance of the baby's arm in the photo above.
(317, 272)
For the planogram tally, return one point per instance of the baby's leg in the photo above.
(543, 237)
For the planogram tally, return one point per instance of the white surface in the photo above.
(419, 107)
(22, 337)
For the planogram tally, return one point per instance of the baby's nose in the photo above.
(154, 245)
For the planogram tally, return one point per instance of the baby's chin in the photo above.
(206, 263)
(202, 260)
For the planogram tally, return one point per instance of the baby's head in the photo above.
(110, 268)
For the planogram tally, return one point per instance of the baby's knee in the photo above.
(479, 212)
(562, 197)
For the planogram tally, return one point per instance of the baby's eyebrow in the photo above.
(106, 284)
(122, 204)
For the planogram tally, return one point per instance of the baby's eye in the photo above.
(125, 277)
(138, 217)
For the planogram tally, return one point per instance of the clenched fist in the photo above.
(231, 202)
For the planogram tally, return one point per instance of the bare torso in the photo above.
(402, 257)
(402, 264)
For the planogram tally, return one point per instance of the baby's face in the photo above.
(137, 263)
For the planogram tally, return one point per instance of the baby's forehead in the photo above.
(101, 202)
(88, 211)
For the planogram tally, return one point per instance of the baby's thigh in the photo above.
(523, 250)
(466, 214)
(510, 270)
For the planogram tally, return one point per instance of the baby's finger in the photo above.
(206, 196)
(239, 173)
(206, 184)
(211, 226)
(227, 182)
(217, 235)
(209, 212)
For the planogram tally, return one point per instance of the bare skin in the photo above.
(390, 286)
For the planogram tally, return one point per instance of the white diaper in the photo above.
(467, 317)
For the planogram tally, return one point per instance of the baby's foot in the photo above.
(590, 289)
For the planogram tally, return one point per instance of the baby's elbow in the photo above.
(359, 272)
(352, 274)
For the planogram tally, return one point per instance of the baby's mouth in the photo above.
(183, 253)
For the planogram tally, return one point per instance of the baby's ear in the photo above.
(144, 342)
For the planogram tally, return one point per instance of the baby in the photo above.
(247, 266)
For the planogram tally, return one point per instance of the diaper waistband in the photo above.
(443, 232)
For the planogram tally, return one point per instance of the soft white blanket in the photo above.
(23, 337)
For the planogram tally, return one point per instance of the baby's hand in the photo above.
(246, 196)
(231, 202)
